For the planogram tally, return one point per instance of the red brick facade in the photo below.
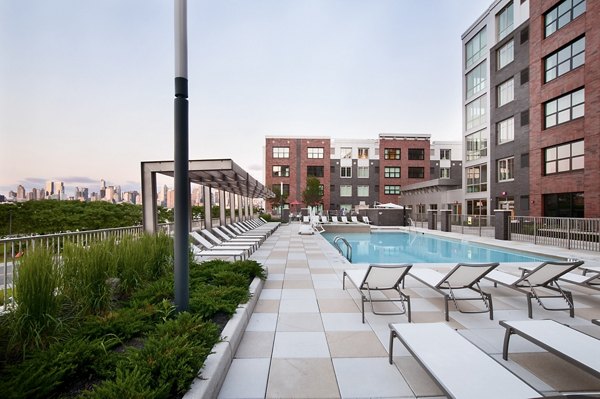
(403, 144)
(587, 127)
(298, 161)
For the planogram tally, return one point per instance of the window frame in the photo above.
(363, 152)
(281, 168)
(475, 112)
(505, 130)
(476, 80)
(346, 172)
(509, 166)
(360, 175)
(558, 158)
(391, 189)
(416, 168)
(478, 184)
(555, 66)
(280, 152)
(507, 14)
(472, 55)
(552, 17)
(343, 190)
(315, 152)
(392, 172)
(315, 168)
(505, 92)
(551, 108)
(446, 154)
(361, 188)
(345, 152)
(482, 143)
(396, 152)
(505, 54)
(416, 154)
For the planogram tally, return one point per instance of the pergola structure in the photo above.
(214, 174)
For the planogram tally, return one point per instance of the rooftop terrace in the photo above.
(305, 337)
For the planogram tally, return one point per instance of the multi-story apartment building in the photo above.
(354, 173)
(494, 75)
(564, 86)
(290, 160)
(404, 161)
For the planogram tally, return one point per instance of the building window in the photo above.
(362, 191)
(506, 92)
(476, 79)
(476, 178)
(416, 172)
(391, 171)
(391, 190)
(562, 14)
(505, 55)
(564, 158)
(315, 171)
(565, 59)
(444, 173)
(477, 207)
(505, 130)
(524, 76)
(566, 205)
(565, 108)
(346, 171)
(505, 21)
(281, 152)
(315, 152)
(345, 191)
(506, 169)
(277, 187)
(476, 145)
(345, 152)
(363, 153)
(475, 48)
(391, 153)
(281, 171)
(475, 112)
(445, 154)
(362, 172)
(321, 189)
(416, 154)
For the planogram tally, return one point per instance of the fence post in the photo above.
(446, 222)
(568, 233)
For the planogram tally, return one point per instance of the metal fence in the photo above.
(477, 225)
(567, 233)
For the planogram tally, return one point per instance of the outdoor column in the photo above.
(222, 208)
(231, 207)
(502, 224)
(207, 208)
(239, 207)
(445, 215)
(432, 219)
(251, 208)
(149, 200)
(247, 208)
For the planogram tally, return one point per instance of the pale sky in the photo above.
(86, 87)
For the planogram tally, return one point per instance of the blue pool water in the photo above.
(401, 247)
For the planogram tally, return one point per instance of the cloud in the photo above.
(33, 180)
(77, 179)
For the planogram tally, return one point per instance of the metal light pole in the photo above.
(182, 187)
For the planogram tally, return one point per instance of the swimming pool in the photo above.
(401, 247)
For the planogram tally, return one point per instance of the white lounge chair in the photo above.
(344, 219)
(324, 219)
(460, 369)
(249, 245)
(379, 277)
(544, 276)
(571, 345)
(334, 219)
(353, 219)
(366, 220)
(207, 245)
(464, 276)
(217, 253)
(227, 238)
(236, 233)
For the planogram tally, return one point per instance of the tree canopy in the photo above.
(313, 194)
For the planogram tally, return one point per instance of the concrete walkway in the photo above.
(305, 338)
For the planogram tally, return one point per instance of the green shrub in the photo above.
(35, 319)
(85, 275)
(266, 216)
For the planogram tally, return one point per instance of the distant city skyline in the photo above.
(86, 89)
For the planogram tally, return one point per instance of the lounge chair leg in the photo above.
(446, 307)
(571, 303)
(344, 281)
(363, 308)
(491, 307)
(391, 354)
(529, 309)
(408, 301)
(507, 335)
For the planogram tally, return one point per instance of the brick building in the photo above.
(564, 108)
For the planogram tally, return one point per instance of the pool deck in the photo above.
(305, 338)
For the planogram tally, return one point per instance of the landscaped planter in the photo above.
(216, 366)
